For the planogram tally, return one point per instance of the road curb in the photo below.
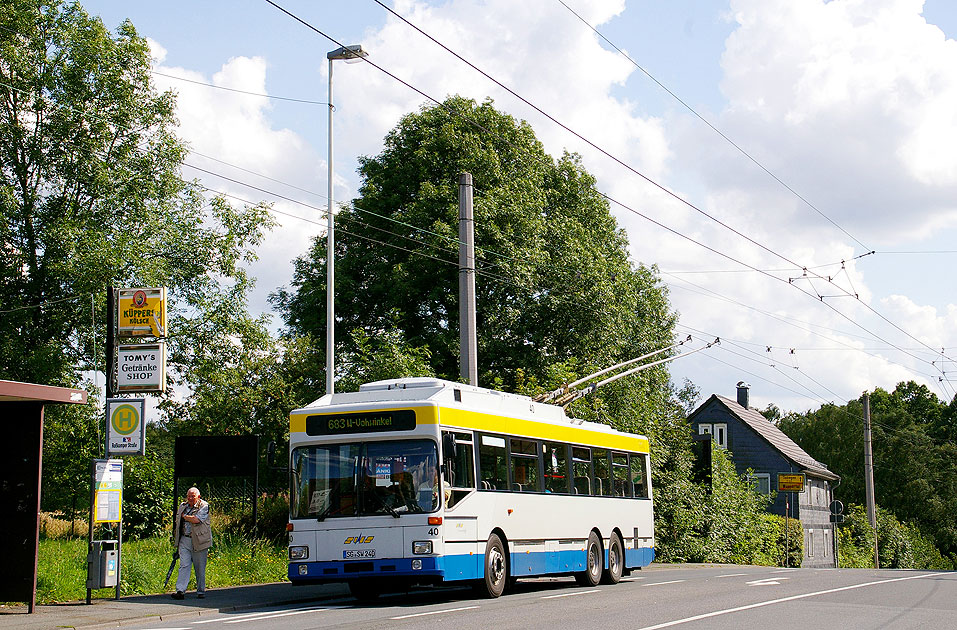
(204, 612)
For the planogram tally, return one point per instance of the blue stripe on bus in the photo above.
(461, 566)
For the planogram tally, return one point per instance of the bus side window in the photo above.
(638, 476)
(602, 472)
(493, 463)
(525, 465)
(462, 468)
(556, 468)
(619, 473)
(581, 463)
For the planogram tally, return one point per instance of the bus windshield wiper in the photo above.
(391, 510)
(321, 516)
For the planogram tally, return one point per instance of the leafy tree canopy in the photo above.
(915, 457)
(554, 283)
(90, 191)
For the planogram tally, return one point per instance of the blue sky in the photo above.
(852, 103)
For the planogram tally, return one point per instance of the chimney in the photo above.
(743, 398)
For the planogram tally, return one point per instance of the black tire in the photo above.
(594, 562)
(616, 561)
(495, 577)
(365, 590)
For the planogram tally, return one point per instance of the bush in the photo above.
(899, 545)
(147, 490)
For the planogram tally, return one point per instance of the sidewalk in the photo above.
(111, 613)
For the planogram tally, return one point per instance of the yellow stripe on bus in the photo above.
(491, 423)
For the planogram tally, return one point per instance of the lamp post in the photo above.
(347, 53)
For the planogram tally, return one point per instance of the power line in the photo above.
(713, 128)
(229, 89)
(642, 175)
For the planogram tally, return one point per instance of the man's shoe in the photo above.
(178, 595)
(200, 595)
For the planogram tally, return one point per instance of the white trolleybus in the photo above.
(419, 480)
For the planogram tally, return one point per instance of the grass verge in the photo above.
(233, 561)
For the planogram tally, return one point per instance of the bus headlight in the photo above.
(298, 553)
(416, 564)
(303, 569)
(420, 547)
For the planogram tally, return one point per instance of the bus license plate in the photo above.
(358, 553)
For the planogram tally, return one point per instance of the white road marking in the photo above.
(731, 575)
(660, 583)
(631, 579)
(300, 611)
(765, 582)
(434, 612)
(256, 614)
(783, 570)
(594, 590)
(792, 598)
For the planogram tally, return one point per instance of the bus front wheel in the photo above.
(496, 569)
(595, 561)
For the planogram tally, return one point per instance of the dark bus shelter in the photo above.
(21, 464)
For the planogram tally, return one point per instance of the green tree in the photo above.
(915, 468)
(90, 190)
(91, 195)
(554, 281)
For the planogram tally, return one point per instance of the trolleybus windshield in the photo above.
(365, 478)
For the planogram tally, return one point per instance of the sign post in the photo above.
(125, 426)
(106, 507)
(141, 367)
(788, 483)
(142, 312)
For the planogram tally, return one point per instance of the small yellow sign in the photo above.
(790, 482)
(141, 312)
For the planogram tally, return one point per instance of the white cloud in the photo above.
(853, 102)
(236, 128)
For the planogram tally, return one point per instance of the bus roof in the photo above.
(451, 395)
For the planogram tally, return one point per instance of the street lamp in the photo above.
(349, 54)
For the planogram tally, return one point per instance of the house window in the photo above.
(717, 431)
(761, 483)
(827, 543)
(721, 435)
(810, 543)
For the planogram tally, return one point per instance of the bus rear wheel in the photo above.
(616, 561)
(595, 561)
(496, 569)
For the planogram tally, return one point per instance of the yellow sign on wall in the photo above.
(142, 312)
(790, 482)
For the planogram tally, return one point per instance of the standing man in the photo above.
(193, 538)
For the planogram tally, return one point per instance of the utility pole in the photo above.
(869, 476)
(468, 342)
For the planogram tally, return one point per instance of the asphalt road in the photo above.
(692, 598)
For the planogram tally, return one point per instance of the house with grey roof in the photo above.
(758, 445)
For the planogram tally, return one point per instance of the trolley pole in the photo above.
(869, 477)
(467, 322)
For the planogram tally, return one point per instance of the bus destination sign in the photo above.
(366, 422)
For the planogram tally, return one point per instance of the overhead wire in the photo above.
(410, 87)
(633, 170)
(238, 91)
(713, 128)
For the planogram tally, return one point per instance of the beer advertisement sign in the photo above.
(141, 312)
